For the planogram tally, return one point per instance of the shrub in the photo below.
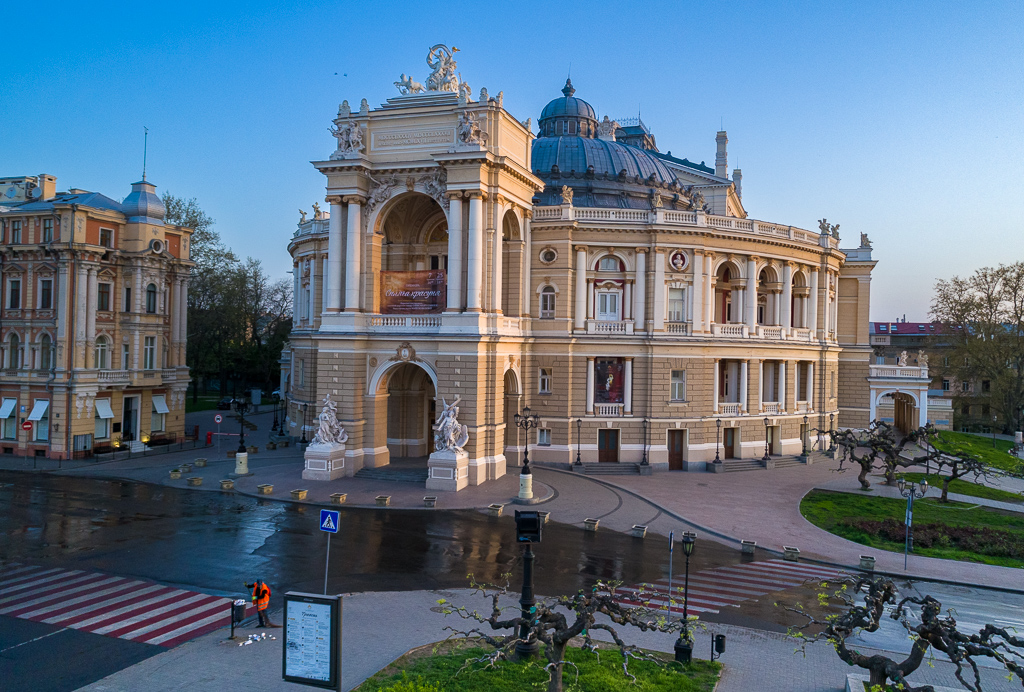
(975, 539)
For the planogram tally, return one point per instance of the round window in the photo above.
(548, 255)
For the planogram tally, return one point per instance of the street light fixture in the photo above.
(767, 457)
(684, 645)
(526, 421)
(718, 437)
(275, 428)
(241, 406)
(911, 491)
(643, 458)
(803, 438)
(303, 440)
(831, 428)
(579, 424)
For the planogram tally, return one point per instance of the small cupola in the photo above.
(143, 205)
(568, 116)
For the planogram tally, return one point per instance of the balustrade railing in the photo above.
(609, 327)
(608, 410)
(679, 328)
(897, 371)
(112, 375)
(771, 408)
(769, 332)
(728, 409)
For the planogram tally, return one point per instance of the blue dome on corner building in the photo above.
(608, 159)
(568, 116)
(143, 205)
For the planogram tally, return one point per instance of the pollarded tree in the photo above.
(555, 630)
(883, 447)
(863, 602)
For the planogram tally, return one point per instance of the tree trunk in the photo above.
(555, 652)
(877, 677)
(945, 491)
(555, 684)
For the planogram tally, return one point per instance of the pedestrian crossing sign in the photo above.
(329, 520)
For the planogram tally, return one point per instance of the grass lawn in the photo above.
(967, 488)
(203, 403)
(980, 447)
(834, 511)
(423, 671)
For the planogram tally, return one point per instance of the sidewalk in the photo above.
(754, 660)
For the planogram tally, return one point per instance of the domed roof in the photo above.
(143, 205)
(568, 106)
(608, 159)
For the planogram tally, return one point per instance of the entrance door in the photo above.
(129, 423)
(676, 439)
(730, 443)
(607, 445)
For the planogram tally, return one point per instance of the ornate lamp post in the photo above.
(241, 406)
(911, 491)
(831, 427)
(579, 424)
(276, 426)
(684, 645)
(643, 458)
(718, 437)
(995, 420)
(803, 438)
(767, 457)
(303, 440)
(526, 421)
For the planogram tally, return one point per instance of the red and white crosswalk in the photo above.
(134, 609)
(721, 587)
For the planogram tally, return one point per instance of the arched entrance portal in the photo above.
(904, 412)
(513, 397)
(411, 413)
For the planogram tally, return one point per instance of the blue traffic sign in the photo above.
(329, 520)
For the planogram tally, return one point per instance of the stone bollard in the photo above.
(195, 481)
(790, 554)
(241, 464)
(265, 489)
(591, 524)
(526, 486)
(338, 498)
(495, 510)
(867, 563)
(199, 463)
(299, 494)
(429, 500)
(186, 468)
(383, 500)
(175, 474)
(639, 531)
(227, 484)
(747, 547)
(544, 516)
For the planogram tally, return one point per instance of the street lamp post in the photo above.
(579, 424)
(303, 440)
(911, 491)
(995, 419)
(241, 406)
(276, 426)
(643, 457)
(684, 645)
(718, 438)
(767, 457)
(528, 531)
(526, 421)
(831, 427)
(803, 438)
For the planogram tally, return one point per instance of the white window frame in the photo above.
(149, 353)
(547, 295)
(10, 424)
(544, 381)
(15, 232)
(102, 355)
(100, 238)
(676, 307)
(677, 386)
(125, 357)
(110, 296)
(603, 302)
(41, 427)
(608, 259)
(543, 437)
(157, 420)
(47, 226)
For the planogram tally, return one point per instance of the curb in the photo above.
(827, 563)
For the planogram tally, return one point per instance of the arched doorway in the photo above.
(904, 412)
(411, 413)
(512, 399)
(412, 236)
(511, 294)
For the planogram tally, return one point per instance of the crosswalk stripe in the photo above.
(213, 613)
(53, 587)
(86, 620)
(68, 611)
(169, 639)
(162, 623)
(16, 569)
(30, 581)
(58, 604)
(10, 610)
(147, 621)
(714, 585)
(795, 570)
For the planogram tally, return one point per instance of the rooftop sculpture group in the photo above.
(441, 61)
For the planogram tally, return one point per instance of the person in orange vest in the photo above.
(261, 599)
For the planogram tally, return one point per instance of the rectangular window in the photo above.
(547, 304)
(608, 307)
(965, 387)
(302, 373)
(545, 381)
(124, 357)
(678, 385)
(103, 297)
(676, 305)
(609, 380)
(149, 354)
(945, 385)
(45, 294)
(156, 422)
(966, 410)
(14, 294)
(10, 418)
(127, 299)
(102, 427)
(40, 417)
(107, 237)
(544, 437)
(15, 232)
(986, 386)
(47, 230)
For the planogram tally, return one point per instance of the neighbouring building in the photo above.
(93, 319)
(623, 294)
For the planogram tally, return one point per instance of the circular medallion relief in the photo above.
(548, 255)
(678, 261)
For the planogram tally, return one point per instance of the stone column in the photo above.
(475, 253)
(787, 295)
(332, 280)
(296, 291)
(744, 368)
(90, 319)
(640, 292)
(658, 302)
(496, 259)
(709, 291)
(751, 294)
(581, 293)
(714, 387)
(591, 313)
(760, 385)
(353, 253)
(311, 302)
(737, 305)
(627, 390)
(590, 385)
(782, 386)
(323, 287)
(627, 300)
(810, 385)
(697, 308)
(455, 252)
(527, 260)
(183, 329)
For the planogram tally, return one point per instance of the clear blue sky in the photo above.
(901, 120)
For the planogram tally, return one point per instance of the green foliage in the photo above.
(979, 447)
(601, 673)
(838, 512)
(963, 487)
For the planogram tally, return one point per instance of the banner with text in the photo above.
(413, 293)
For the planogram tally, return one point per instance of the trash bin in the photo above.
(238, 610)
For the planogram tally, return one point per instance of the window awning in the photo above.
(7, 408)
(103, 409)
(159, 405)
(39, 410)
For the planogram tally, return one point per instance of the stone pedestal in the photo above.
(525, 486)
(324, 462)
(447, 470)
(241, 465)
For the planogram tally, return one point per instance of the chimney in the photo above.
(721, 158)
(737, 180)
(48, 183)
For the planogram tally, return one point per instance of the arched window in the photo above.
(102, 353)
(14, 351)
(151, 298)
(45, 358)
(547, 303)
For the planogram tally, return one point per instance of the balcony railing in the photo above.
(771, 408)
(405, 321)
(736, 331)
(898, 371)
(609, 327)
(728, 409)
(112, 376)
(608, 410)
(678, 328)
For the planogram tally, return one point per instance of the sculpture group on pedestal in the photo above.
(330, 431)
(451, 435)
(350, 138)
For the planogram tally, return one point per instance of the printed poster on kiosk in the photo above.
(312, 640)
(413, 293)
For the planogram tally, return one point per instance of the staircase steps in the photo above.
(608, 469)
(734, 465)
(786, 462)
(137, 447)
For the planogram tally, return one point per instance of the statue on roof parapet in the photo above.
(441, 61)
(827, 228)
(864, 240)
(408, 85)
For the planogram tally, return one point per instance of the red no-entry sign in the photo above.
(217, 419)
(27, 425)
